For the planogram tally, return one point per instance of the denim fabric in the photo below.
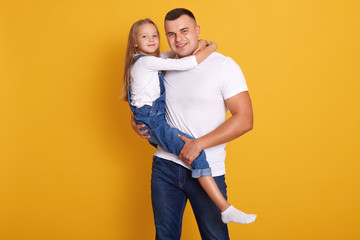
(171, 186)
(162, 134)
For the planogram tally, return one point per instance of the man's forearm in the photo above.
(240, 122)
(232, 128)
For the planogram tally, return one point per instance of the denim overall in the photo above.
(160, 131)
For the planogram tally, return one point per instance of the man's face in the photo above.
(182, 35)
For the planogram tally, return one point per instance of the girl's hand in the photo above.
(203, 44)
(137, 128)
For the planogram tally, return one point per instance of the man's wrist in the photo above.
(200, 143)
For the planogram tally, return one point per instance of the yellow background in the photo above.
(72, 168)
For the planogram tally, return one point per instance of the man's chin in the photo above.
(182, 54)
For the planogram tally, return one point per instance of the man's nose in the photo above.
(179, 37)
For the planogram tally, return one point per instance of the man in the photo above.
(196, 103)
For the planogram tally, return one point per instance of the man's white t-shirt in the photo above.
(195, 103)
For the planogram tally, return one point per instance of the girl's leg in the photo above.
(207, 214)
(228, 212)
(201, 170)
(168, 138)
(210, 187)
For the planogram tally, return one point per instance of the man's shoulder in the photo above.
(220, 57)
(217, 55)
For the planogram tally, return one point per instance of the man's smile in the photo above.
(181, 45)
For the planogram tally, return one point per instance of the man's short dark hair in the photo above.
(178, 12)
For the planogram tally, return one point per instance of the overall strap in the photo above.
(161, 81)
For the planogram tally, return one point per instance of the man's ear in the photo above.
(198, 30)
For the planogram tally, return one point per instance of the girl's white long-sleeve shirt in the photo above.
(145, 87)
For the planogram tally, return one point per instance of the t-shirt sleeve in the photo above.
(168, 64)
(232, 79)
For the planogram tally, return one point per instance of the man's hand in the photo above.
(137, 128)
(190, 151)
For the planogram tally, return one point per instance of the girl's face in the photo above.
(147, 39)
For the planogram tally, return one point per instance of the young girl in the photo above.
(144, 89)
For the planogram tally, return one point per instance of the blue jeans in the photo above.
(171, 186)
(167, 137)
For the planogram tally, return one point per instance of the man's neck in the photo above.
(177, 56)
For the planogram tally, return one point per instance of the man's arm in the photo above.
(240, 122)
(137, 128)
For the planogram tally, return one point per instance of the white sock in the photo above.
(232, 214)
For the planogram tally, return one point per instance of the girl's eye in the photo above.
(143, 36)
(155, 36)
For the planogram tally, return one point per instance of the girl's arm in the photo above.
(186, 63)
(205, 48)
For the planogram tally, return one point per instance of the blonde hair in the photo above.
(131, 50)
